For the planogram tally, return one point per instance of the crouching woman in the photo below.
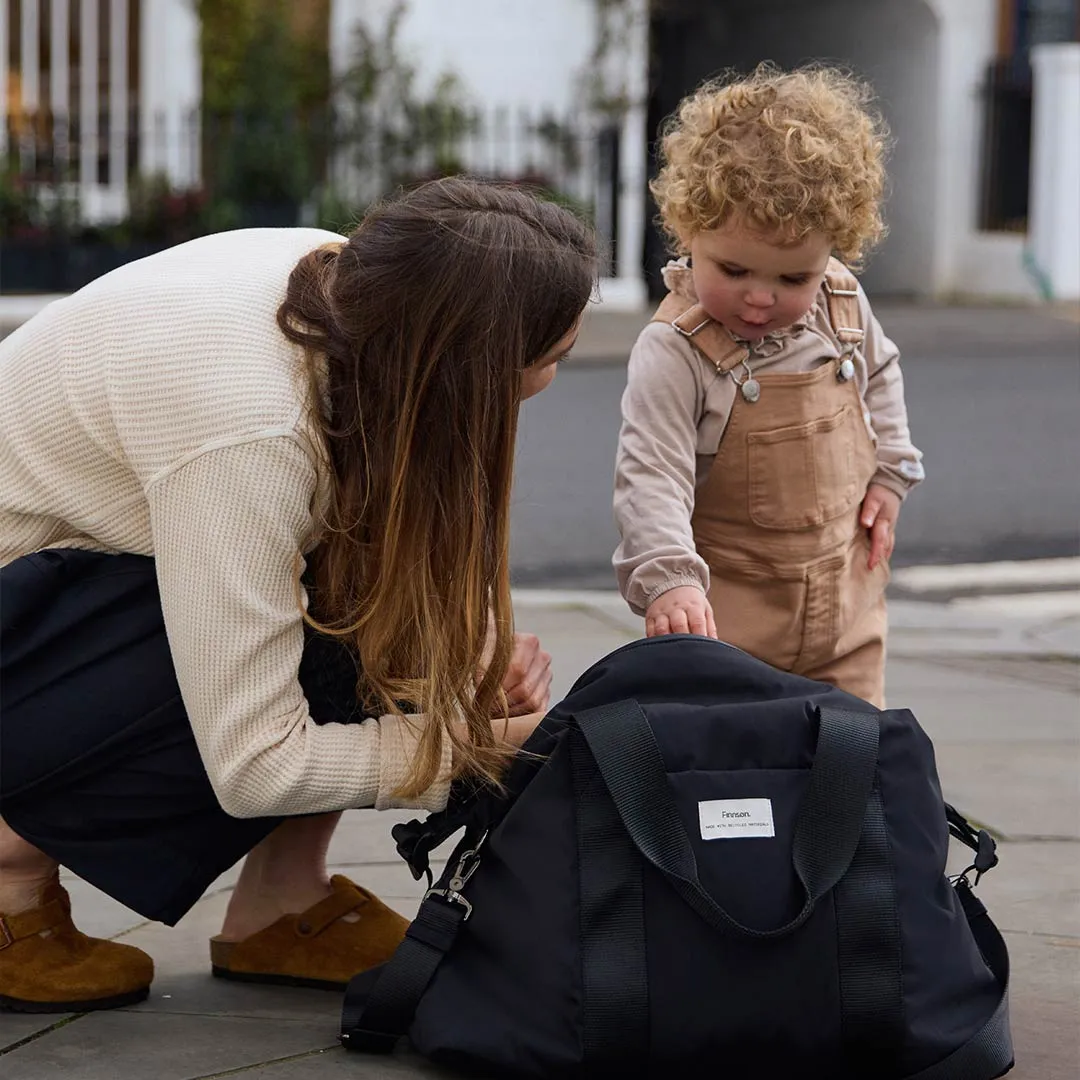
(254, 517)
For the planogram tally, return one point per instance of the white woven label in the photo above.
(731, 819)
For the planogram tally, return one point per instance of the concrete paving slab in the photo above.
(604, 605)
(131, 1045)
(1008, 752)
(1001, 626)
(1060, 635)
(369, 831)
(917, 628)
(15, 1027)
(1055, 672)
(183, 984)
(1026, 791)
(1034, 889)
(337, 1064)
(983, 703)
(1044, 1002)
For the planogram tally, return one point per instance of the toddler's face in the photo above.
(754, 284)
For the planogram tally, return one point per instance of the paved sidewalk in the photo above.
(996, 688)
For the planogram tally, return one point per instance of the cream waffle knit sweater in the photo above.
(160, 411)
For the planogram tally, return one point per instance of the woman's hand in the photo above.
(880, 509)
(528, 679)
(683, 610)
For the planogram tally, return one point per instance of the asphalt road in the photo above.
(999, 427)
(994, 403)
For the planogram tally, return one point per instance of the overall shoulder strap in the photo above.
(842, 297)
(707, 336)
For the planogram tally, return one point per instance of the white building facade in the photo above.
(975, 208)
(951, 77)
(935, 65)
(527, 61)
(97, 89)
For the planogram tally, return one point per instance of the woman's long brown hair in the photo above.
(417, 331)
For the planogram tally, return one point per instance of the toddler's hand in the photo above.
(880, 509)
(683, 610)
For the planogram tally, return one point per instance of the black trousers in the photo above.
(98, 763)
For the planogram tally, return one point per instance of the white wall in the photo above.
(170, 90)
(968, 260)
(515, 53)
(928, 61)
(522, 56)
(1055, 169)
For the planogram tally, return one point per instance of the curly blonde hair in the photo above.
(791, 153)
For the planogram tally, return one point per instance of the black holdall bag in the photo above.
(703, 866)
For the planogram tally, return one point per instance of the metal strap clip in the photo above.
(452, 897)
(839, 292)
(464, 870)
(689, 333)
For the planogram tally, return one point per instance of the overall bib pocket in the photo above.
(793, 487)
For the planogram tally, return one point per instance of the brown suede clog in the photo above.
(47, 965)
(317, 948)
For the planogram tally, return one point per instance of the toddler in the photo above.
(764, 450)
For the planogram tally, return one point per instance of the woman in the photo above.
(254, 513)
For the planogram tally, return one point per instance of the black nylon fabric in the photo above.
(614, 975)
(509, 1000)
(522, 1014)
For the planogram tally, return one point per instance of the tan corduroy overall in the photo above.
(777, 517)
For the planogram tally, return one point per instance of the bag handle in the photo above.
(827, 830)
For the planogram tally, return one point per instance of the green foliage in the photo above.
(332, 211)
(394, 134)
(226, 28)
(603, 79)
(562, 142)
(20, 208)
(265, 94)
(29, 209)
(159, 214)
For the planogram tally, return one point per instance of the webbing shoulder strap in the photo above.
(691, 320)
(380, 1004)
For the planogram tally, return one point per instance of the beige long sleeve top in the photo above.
(675, 409)
(160, 411)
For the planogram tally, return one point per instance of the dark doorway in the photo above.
(893, 43)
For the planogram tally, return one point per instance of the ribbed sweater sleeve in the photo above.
(228, 525)
(655, 471)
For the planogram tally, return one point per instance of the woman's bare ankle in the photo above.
(252, 909)
(284, 874)
(20, 896)
(24, 872)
